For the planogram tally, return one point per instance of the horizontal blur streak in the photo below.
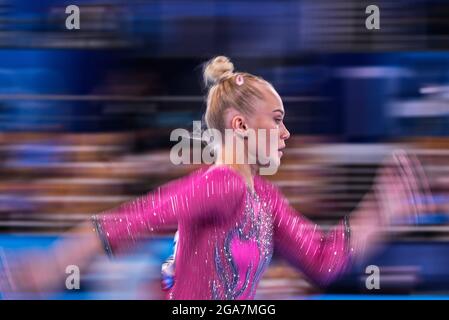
(201, 28)
(86, 127)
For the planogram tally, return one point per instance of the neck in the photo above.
(248, 171)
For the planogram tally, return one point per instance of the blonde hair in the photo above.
(228, 89)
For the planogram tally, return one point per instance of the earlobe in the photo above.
(241, 133)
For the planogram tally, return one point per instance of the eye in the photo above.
(278, 120)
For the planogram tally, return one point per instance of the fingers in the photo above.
(407, 176)
(402, 188)
(398, 195)
(22, 272)
(5, 276)
(428, 204)
(387, 192)
(390, 194)
(411, 186)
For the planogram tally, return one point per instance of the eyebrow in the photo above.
(280, 110)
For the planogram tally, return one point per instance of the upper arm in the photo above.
(197, 196)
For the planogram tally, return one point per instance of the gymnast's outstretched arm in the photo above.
(200, 195)
(323, 256)
(320, 255)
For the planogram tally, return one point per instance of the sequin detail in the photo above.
(229, 233)
(256, 225)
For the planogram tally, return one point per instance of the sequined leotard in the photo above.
(227, 233)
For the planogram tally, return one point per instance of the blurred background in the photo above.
(85, 119)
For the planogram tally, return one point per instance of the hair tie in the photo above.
(239, 80)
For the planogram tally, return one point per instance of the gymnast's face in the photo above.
(268, 115)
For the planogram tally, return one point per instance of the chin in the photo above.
(276, 159)
(271, 167)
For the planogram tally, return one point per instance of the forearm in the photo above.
(367, 227)
(322, 256)
(79, 247)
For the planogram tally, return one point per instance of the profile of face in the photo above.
(264, 130)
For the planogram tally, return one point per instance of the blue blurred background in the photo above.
(85, 119)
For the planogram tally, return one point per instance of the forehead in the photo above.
(271, 99)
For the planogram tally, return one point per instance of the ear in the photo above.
(239, 125)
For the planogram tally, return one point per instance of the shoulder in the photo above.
(223, 178)
(216, 189)
(266, 187)
(211, 181)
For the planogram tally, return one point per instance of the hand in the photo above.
(34, 272)
(401, 190)
(400, 193)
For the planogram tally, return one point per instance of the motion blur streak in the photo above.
(85, 119)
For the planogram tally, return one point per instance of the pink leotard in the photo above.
(227, 233)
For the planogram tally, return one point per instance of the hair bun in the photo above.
(216, 69)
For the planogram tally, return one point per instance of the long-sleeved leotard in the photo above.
(226, 233)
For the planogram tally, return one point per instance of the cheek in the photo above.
(263, 138)
(268, 141)
(273, 139)
(268, 131)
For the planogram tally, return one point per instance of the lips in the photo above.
(280, 152)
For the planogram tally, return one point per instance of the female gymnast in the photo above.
(230, 219)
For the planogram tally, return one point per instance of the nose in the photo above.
(285, 134)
